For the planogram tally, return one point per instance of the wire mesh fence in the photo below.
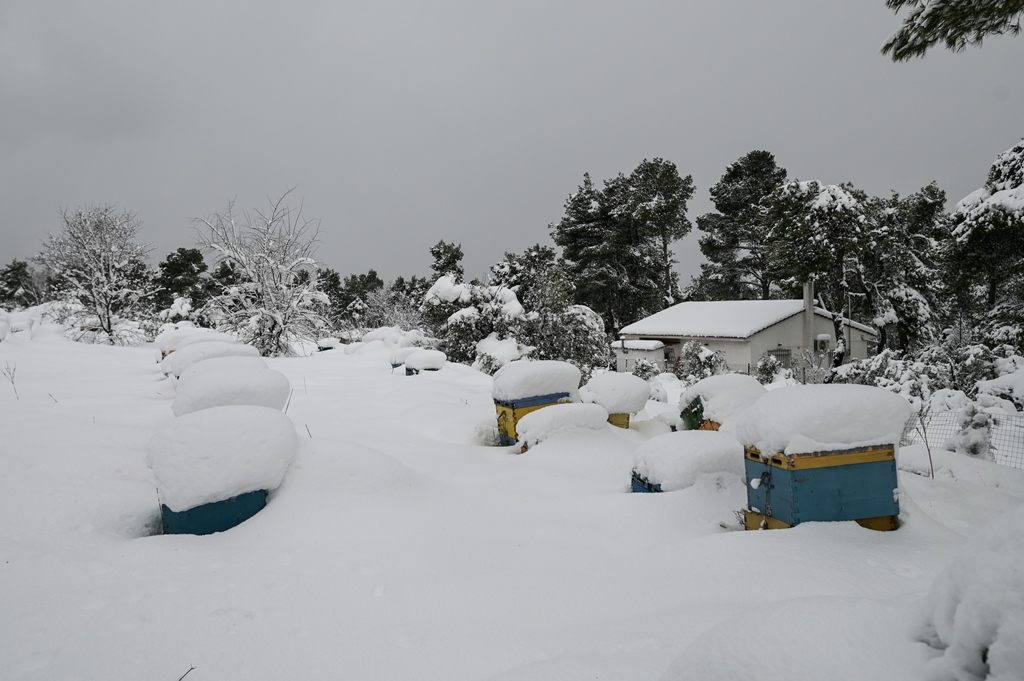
(1006, 435)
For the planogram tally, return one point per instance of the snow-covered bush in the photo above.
(645, 369)
(767, 369)
(275, 301)
(697, 361)
(974, 613)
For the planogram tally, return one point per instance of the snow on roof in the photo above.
(721, 319)
(638, 344)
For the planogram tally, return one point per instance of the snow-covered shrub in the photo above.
(645, 369)
(275, 301)
(975, 436)
(492, 353)
(767, 369)
(697, 361)
(974, 613)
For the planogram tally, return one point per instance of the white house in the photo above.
(743, 330)
(627, 352)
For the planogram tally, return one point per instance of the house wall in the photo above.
(625, 359)
(785, 335)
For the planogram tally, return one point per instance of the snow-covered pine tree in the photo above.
(734, 239)
(274, 301)
(96, 262)
(615, 241)
(817, 232)
(898, 268)
(986, 252)
(955, 23)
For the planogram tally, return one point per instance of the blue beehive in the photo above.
(852, 484)
(214, 517)
(641, 484)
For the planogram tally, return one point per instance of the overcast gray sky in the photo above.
(401, 123)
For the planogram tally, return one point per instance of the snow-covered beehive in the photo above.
(228, 385)
(424, 360)
(674, 461)
(180, 360)
(537, 426)
(718, 400)
(821, 453)
(213, 468)
(524, 386)
(619, 394)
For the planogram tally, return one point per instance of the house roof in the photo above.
(721, 319)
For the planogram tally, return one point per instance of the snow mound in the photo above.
(182, 359)
(401, 354)
(558, 419)
(48, 332)
(525, 378)
(228, 386)
(217, 364)
(975, 609)
(391, 336)
(617, 393)
(423, 360)
(812, 418)
(219, 453)
(176, 336)
(724, 397)
(676, 460)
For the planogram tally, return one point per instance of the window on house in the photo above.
(784, 355)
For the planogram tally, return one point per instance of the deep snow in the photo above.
(398, 547)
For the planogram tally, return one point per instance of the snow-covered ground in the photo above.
(399, 547)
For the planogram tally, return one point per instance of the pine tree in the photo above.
(955, 23)
(181, 275)
(447, 260)
(21, 285)
(986, 252)
(615, 241)
(734, 240)
(817, 233)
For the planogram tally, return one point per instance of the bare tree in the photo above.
(275, 300)
(96, 261)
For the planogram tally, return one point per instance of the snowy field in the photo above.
(399, 547)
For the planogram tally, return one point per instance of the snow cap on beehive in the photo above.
(525, 378)
(724, 396)
(617, 393)
(819, 418)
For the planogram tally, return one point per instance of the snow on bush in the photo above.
(810, 418)
(227, 386)
(391, 336)
(182, 359)
(492, 353)
(426, 360)
(617, 393)
(645, 368)
(559, 419)
(525, 378)
(219, 453)
(725, 396)
(975, 609)
(676, 460)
